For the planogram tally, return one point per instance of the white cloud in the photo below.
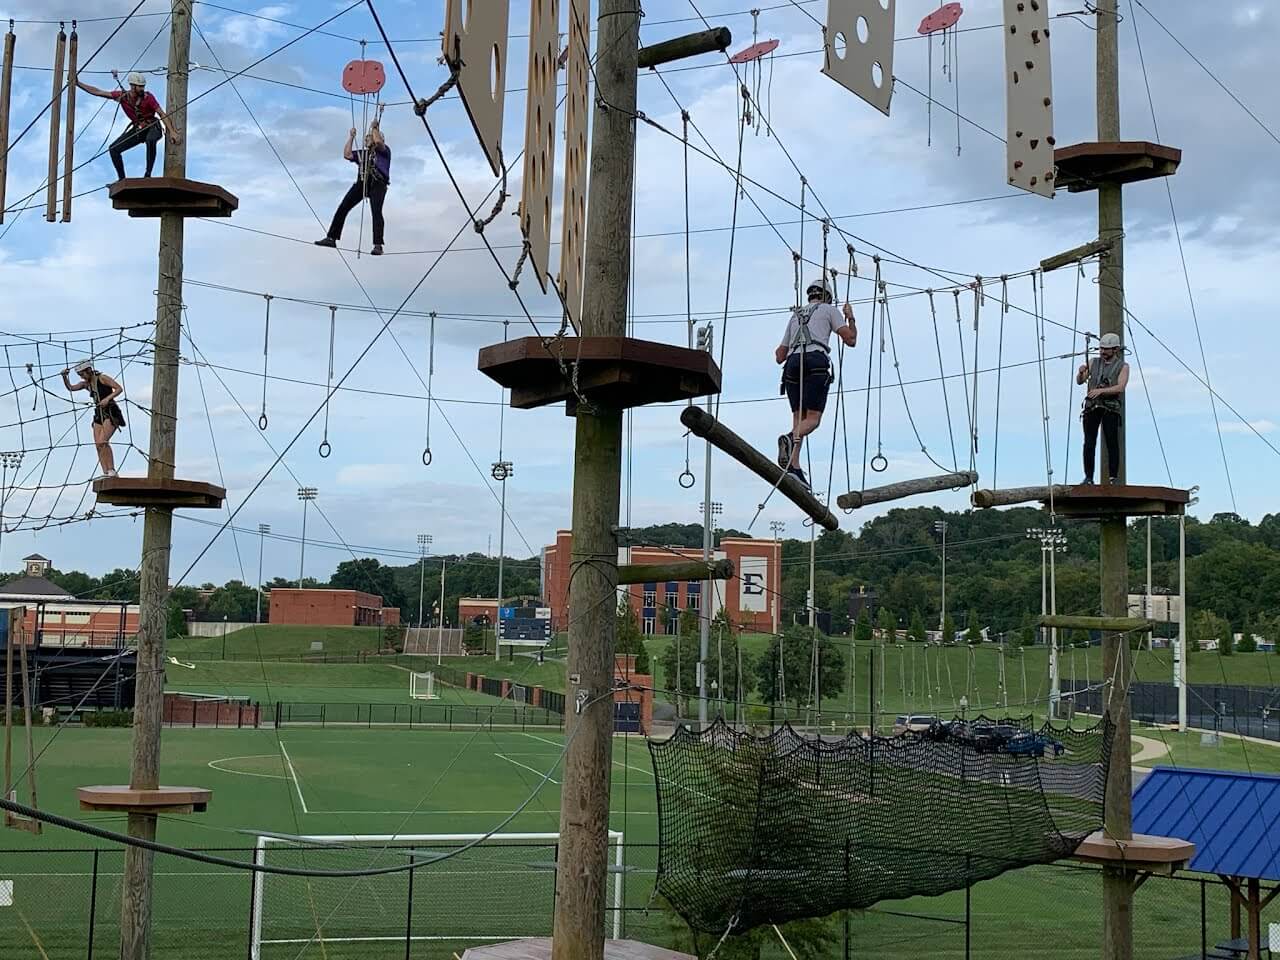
(1252, 426)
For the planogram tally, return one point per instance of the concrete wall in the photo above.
(213, 628)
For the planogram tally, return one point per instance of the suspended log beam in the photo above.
(680, 48)
(1082, 252)
(681, 570)
(907, 488)
(55, 120)
(69, 153)
(704, 425)
(1016, 495)
(1105, 624)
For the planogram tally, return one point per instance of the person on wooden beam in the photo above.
(107, 418)
(1107, 376)
(147, 121)
(373, 176)
(805, 355)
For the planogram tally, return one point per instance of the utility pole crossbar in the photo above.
(686, 571)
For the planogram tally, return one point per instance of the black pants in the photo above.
(377, 193)
(133, 137)
(1109, 421)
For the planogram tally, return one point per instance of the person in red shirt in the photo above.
(145, 120)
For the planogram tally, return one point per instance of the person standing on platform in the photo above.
(107, 418)
(805, 355)
(1107, 376)
(373, 165)
(147, 121)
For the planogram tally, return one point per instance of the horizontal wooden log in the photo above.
(1015, 495)
(1105, 624)
(704, 425)
(907, 488)
(679, 570)
(1075, 255)
(680, 48)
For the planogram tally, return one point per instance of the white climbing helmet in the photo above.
(821, 285)
(136, 79)
(1109, 341)
(84, 366)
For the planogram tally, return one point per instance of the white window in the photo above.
(649, 626)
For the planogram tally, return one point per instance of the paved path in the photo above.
(1149, 750)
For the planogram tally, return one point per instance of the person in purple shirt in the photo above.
(373, 176)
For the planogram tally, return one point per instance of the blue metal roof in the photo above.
(1232, 818)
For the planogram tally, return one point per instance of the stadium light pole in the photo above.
(777, 526)
(440, 620)
(1052, 542)
(710, 510)
(941, 527)
(503, 470)
(263, 530)
(424, 544)
(306, 495)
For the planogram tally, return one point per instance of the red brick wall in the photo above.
(471, 607)
(557, 559)
(183, 712)
(390, 616)
(641, 689)
(325, 608)
(72, 624)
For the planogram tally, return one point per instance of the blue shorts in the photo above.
(810, 393)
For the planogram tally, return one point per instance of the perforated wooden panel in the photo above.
(1029, 96)
(480, 39)
(573, 236)
(859, 48)
(540, 135)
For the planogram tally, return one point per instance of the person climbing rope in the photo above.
(107, 418)
(373, 164)
(805, 355)
(147, 121)
(1107, 376)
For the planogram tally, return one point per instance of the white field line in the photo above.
(525, 766)
(294, 773)
(213, 764)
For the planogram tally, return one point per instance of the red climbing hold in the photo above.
(945, 17)
(755, 51)
(363, 77)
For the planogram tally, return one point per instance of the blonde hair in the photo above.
(375, 136)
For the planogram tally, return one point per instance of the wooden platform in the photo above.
(128, 800)
(146, 492)
(1082, 166)
(539, 948)
(1092, 501)
(1144, 853)
(154, 196)
(617, 372)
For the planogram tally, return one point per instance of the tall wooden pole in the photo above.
(578, 930)
(1117, 883)
(55, 119)
(69, 153)
(6, 92)
(135, 908)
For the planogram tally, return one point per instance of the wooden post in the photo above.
(69, 153)
(34, 826)
(136, 888)
(907, 488)
(1117, 882)
(678, 48)
(6, 91)
(582, 855)
(1014, 495)
(8, 708)
(682, 570)
(55, 120)
(1254, 906)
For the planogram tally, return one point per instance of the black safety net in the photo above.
(769, 829)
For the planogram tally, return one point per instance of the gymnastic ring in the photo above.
(262, 422)
(883, 462)
(692, 480)
(426, 457)
(325, 450)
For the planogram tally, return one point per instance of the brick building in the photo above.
(331, 608)
(477, 610)
(752, 598)
(54, 617)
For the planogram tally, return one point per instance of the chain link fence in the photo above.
(1226, 708)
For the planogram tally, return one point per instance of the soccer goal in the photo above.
(422, 686)
(499, 888)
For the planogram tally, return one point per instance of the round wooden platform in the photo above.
(1142, 852)
(155, 196)
(616, 372)
(1082, 166)
(148, 492)
(1104, 501)
(539, 948)
(161, 800)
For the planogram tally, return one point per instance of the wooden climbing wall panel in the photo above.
(1029, 96)
(859, 48)
(480, 41)
(574, 235)
(540, 135)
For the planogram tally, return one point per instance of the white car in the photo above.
(915, 722)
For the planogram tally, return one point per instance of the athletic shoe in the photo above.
(784, 450)
(1087, 482)
(327, 242)
(799, 475)
(376, 251)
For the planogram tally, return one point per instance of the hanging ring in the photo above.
(426, 457)
(325, 450)
(690, 477)
(879, 463)
(262, 422)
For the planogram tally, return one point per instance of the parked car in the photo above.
(1030, 744)
(914, 722)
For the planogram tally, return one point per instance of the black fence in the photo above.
(437, 716)
(65, 678)
(66, 905)
(1247, 711)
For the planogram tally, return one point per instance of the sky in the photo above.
(937, 215)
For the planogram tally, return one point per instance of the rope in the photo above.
(942, 380)
(688, 294)
(1071, 385)
(964, 376)
(1004, 310)
(733, 237)
(893, 344)
(325, 447)
(266, 339)
(979, 299)
(1037, 297)
(431, 371)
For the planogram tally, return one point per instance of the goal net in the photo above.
(422, 686)
(503, 888)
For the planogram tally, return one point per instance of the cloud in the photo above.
(1252, 426)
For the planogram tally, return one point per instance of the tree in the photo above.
(680, 662)
(1207, 625)
(973, 630)
(948, 630)
(916, 631)
(368, 576)
(888, 625)
(629, 638)
(785, 670)
(1247, 644)
(862, 630)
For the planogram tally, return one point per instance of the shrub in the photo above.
(108, 718)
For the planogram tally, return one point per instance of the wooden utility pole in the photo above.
(1117, 883)
(135, 908)
(582, 870)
